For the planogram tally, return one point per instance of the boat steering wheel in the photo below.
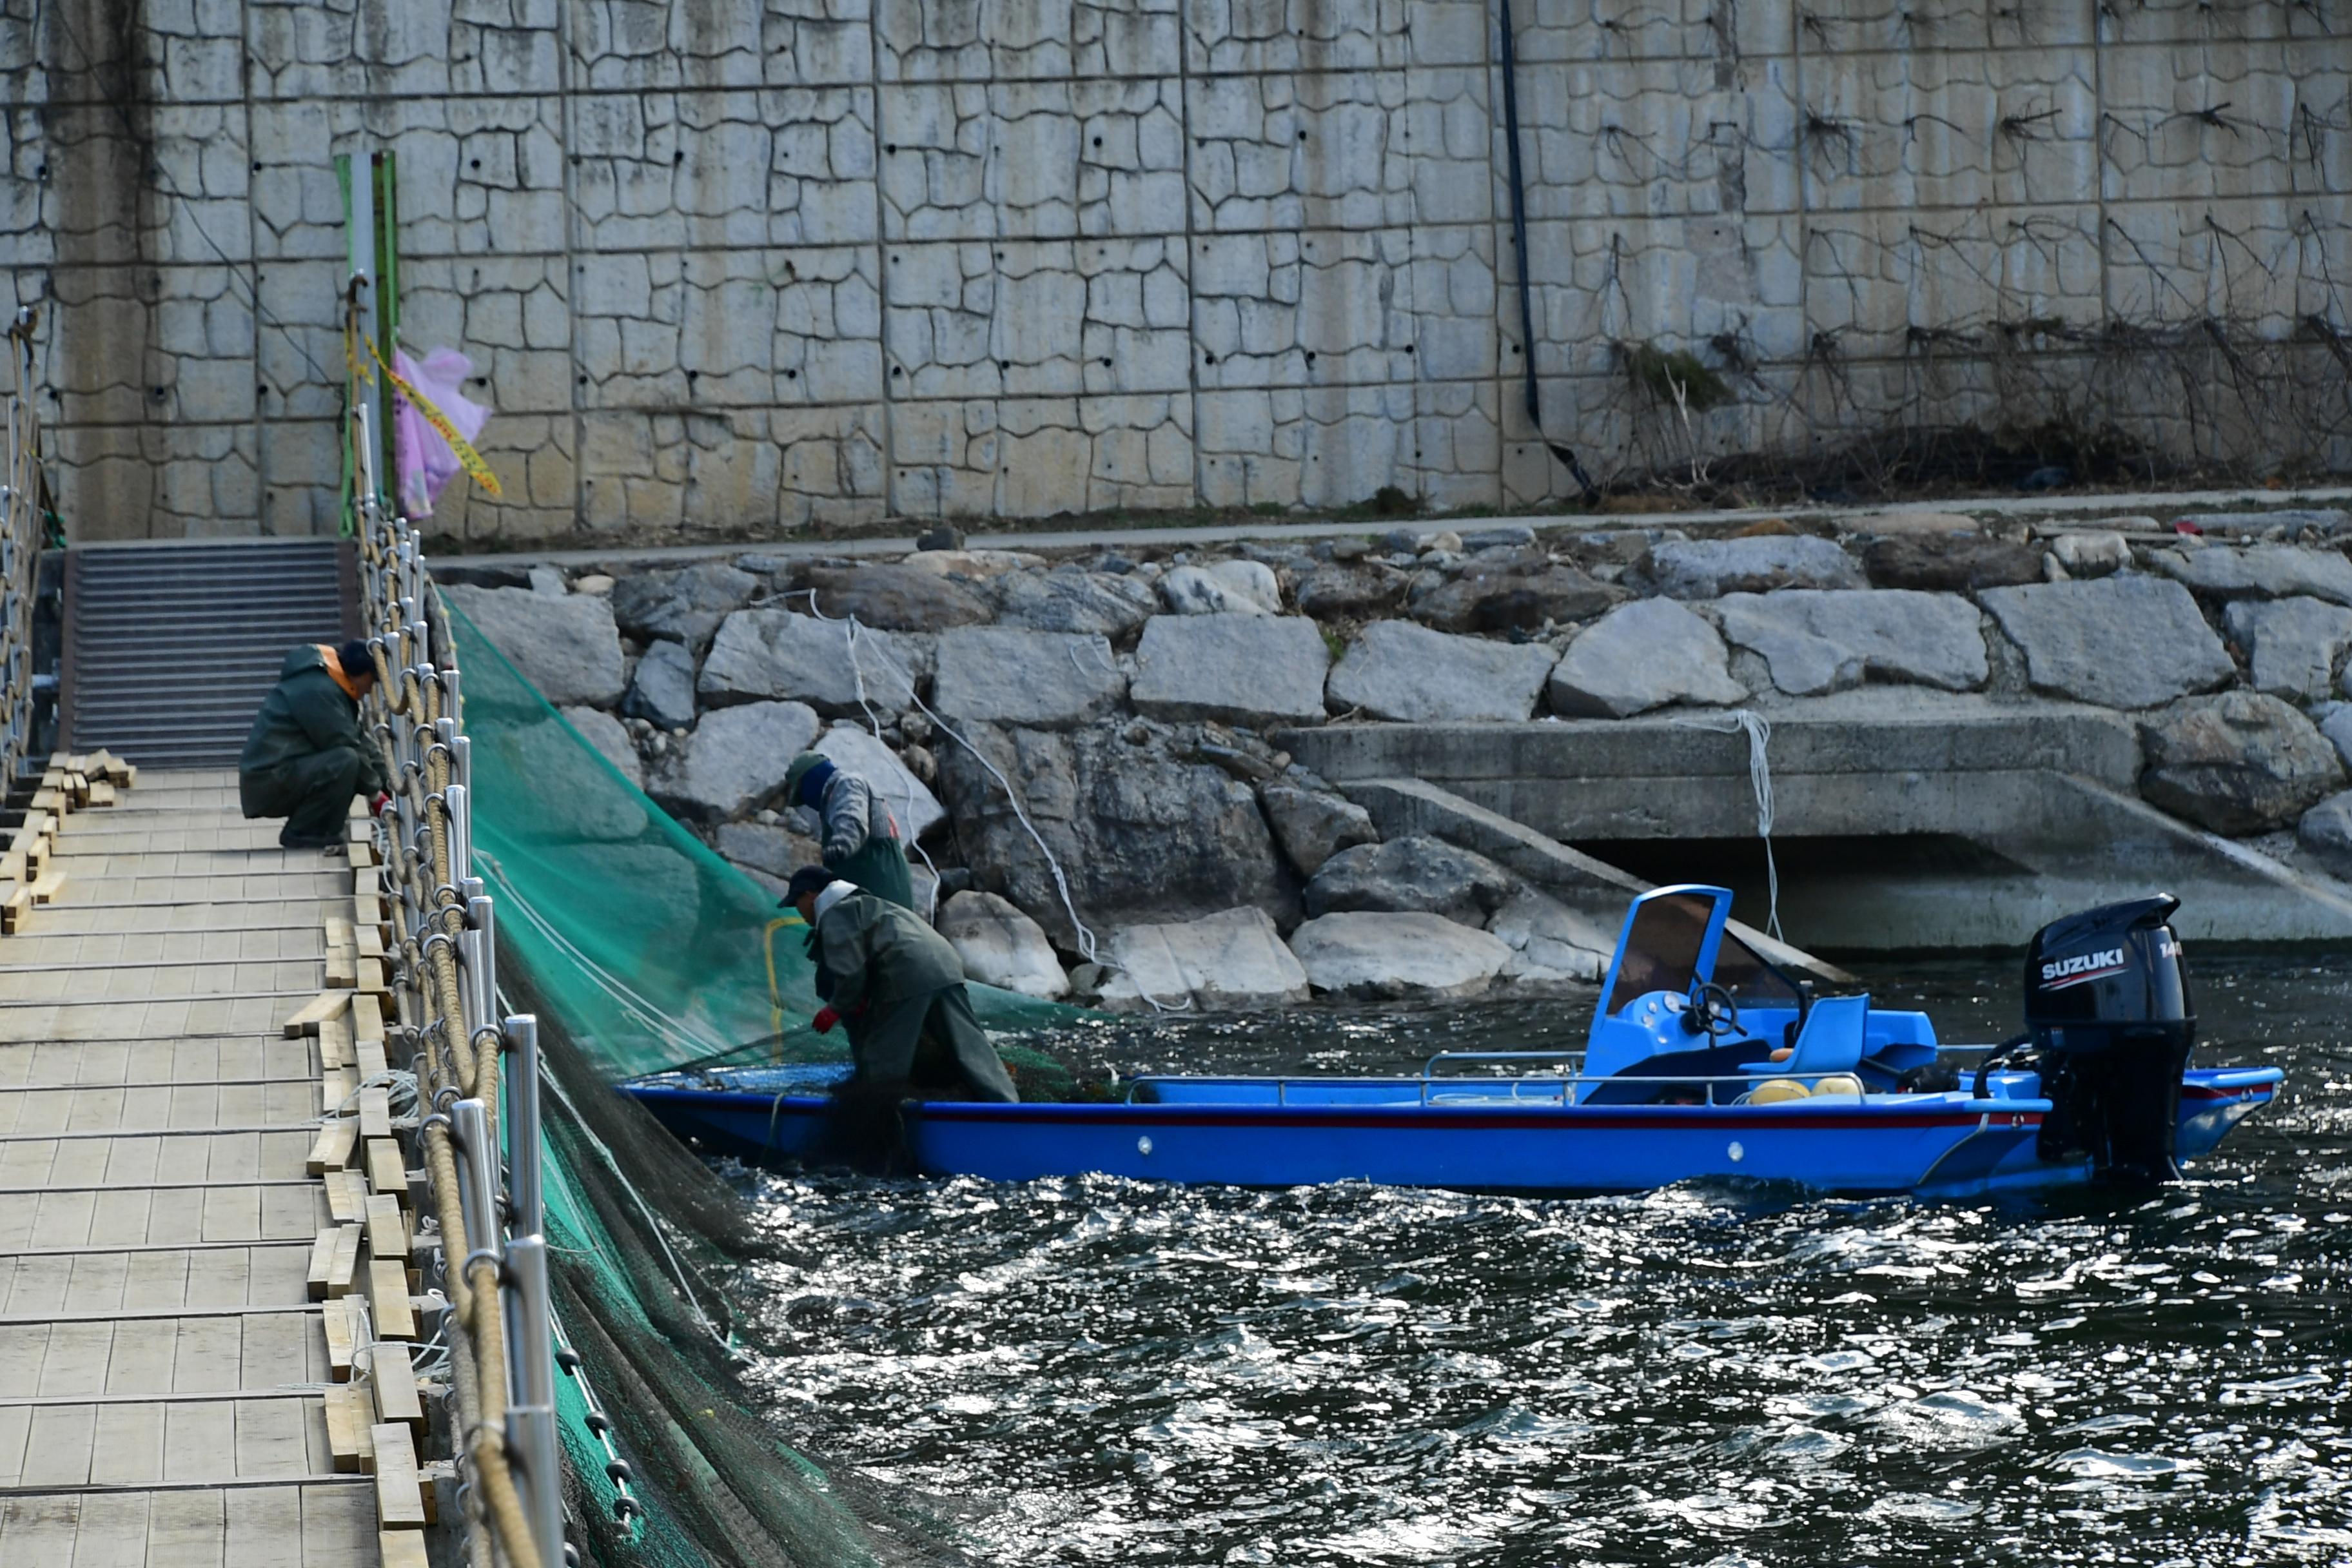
(1712, 1012)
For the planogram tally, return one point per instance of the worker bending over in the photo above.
(859, 835)
(899, 986)
(307, 754)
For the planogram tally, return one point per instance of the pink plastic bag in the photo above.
(426, 463)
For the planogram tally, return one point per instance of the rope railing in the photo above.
(478, 1073)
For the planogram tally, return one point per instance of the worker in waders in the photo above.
(307, 754)
(899, 986)
(859, 835)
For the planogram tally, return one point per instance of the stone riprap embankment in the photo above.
(1117, 707)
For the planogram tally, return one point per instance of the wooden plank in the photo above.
(337, 1085)
(12, 866)
(367, 883)
(50, 799)
(387, 1226)
(399, 1505)
(387, 1171)
(339, 932)
(331, 1149)
(342, 967)
(349, 1415)
(370, 941)
(387, 1289)
(342, 1349)
(335, 1042)
(340, 1203)
(392, 1379)
(317, 1010)
(343, 1263)
(371, 978)
(322, 1262)
(362, 855)
(401, 1548)
(367, 1057)
(367, 1018)
(47, 885)
(375, 1111)
(101, 795)
(16, 910)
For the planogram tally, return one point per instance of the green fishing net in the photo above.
(640, 950)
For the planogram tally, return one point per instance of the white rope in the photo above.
(400, 1097)
(1759, 780)
(874, 728)
(1085, 937)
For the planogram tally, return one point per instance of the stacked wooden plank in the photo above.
(28, 876)
(360, 1261)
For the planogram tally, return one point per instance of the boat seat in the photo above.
(1833, 1040)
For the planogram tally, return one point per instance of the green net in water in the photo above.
(640, 950)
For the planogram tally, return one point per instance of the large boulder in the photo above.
(2264, 572)
(1521, 598)
(2126, 641)
(771, 653)
(1395, 669)
(1250, 668)
(1223, 588)
(1818, 640)
(1229, 961)
(566, 645)
(1948, 562)
(1101, 603)
(1313, 825)
(2328, 827)
(1006, 675)
(1136, 831)
(898, 598)
(853, 749)
(733, 762)
(1415, 873)
(2238, 762)
(1643, 656)
(2335, 723)
(978, 564)
(661, 692)
(772, 851)
(2296, 645)
(2091, 552)
(1351, 590)
(1397, 956)
(685, 605)
(1001, 946)
(612, 742)
(1710, 568)
(1551, 945)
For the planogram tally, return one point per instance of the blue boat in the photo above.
(1705, 1061)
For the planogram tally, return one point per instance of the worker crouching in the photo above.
(897, 987)
(307, 754)
(860, 837)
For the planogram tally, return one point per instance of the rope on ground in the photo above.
(1759, 780)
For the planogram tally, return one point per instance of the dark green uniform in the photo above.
(307, 755)
(899, 987)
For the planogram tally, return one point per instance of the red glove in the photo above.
(375, 806)
(826, 1017)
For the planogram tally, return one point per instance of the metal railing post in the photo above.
(523, 1125)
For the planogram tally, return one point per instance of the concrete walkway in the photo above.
(2157, 503)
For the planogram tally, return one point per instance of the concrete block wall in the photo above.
(748, 266)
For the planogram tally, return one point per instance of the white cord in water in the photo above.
(1759, 780)
(1085, 937)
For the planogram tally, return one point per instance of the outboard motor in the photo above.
(2107, 1008)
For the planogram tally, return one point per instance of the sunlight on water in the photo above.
(1122, 1372)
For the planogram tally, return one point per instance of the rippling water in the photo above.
(1118, 1371)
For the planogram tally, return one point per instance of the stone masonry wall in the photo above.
(740, 267)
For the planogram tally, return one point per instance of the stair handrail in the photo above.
(21, 492)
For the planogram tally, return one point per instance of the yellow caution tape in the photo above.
(467, 458)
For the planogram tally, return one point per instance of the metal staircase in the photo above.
(170, 648)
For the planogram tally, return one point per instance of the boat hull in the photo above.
(1877, 1143)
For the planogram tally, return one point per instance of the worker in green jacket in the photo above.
(860, 837)
(307, 754)
(899, 986)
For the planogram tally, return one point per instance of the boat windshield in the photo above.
(1753, 980)
(1662, 950)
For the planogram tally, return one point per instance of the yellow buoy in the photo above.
(1838, 1083)
(1773, 1090)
